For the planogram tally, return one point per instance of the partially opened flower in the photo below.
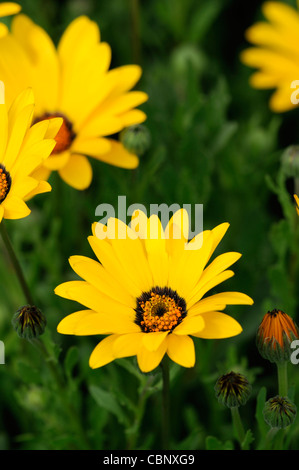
(74, 82)
(7, 9)
(22, 149)
(275, 54)
(148, 293)
(275, 335)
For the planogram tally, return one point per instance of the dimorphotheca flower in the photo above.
(275, 54)
(148, 293)
(22, 150)
(7, 9)
(74, 82)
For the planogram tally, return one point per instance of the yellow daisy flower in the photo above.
(7, 9)
(276, 54)
(297, 203)
(74, 82)
(148, 293)
(22, 149)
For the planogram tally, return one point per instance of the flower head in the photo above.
(274, 336)
(23, 148)
(7, 9)
(232, 389)
(147, 293)
(275, 54)
(29, 322)
(279, 412)
(75, 83)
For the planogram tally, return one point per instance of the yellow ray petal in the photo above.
(181, 350)
(149, 360)
(103, 352)
(152, 341)
(218, 325)
(189, 326)
(77, 172)
(127, 345)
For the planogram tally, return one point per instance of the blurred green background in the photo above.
(215, 142)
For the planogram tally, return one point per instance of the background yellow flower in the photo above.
(276, 54)
(74, 82)
(22, 149)
(7, 9)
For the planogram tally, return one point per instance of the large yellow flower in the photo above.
(276, 54)
(7, 9)
(22, 149)
(74, 82)
(148, 292)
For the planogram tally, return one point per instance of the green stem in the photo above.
(238, 425)
(282, 372)
(139, 413)
(62, 392)
(16, 264)
(270, 438)
(165, 403)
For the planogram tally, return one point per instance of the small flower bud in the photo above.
(136, 139)
(279, 412)
(275, 335)
(290, 161)
(232, 389)
(29, 322)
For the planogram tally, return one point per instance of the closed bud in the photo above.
(232, 389)
(136, 139)
(279, 412)
(275, 335)
(29, 322)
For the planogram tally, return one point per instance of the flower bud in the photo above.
(290, 161)
(29, 322)
(232, 389)
(279, 412)
(275, 335)
(136, 139)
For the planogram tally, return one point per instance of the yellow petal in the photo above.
(149, 360)
(9, 8)
(77, 172)
(218, 325)
(103, 352)
(219, 302)
(152, 341)
(189, 326)
(181, 350)
(15, 207)
(127, 345)
(119, 156)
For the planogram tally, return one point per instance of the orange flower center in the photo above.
(65, 135)
(5, 183)
(159, 310)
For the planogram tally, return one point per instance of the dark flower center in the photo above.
(160, 309)
(5, 183)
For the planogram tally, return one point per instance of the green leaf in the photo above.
(249, 438)
(212, 443)
(108, 401)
